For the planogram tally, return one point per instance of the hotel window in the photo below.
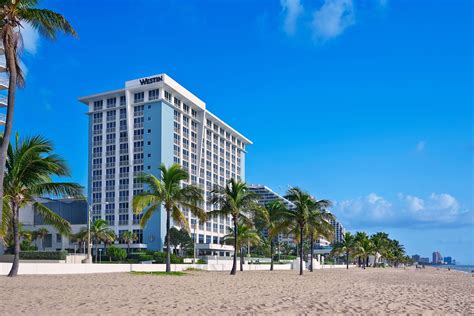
(112, 102)
(186, 108)
(177, 102)
(215, 240)
(123, 114)
(98, 105)
(193, 113)
(110, 115)
(138, 97)
(123, 100)
(153, 94)
(168, 96)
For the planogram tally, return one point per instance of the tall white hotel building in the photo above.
(155, 120)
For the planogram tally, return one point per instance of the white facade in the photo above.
(155, 120)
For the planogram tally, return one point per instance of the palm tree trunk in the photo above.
(96, 249)
(241, 259)
(10, 55)
(312, 252)
(367, 261)
(271, 255)
(347, 259)
(16, 242)
(301, 250)
(168, 256)
(234, 263)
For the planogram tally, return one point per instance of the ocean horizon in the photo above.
(462, 267)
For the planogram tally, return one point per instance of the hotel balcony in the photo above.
(3, 101)
(3, 119)
(3, 84)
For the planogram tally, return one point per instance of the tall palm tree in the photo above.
(319, 225)
(299, 216)
(346, 246)
(167, 191)
(41, 233)
(14, 14)
(271, 218)
(100, 232)
(362, 248)
(129, 237)
(237, 201)
(245, 235)
(380, 243)
(30, 165)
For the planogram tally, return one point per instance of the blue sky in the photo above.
(367, 103)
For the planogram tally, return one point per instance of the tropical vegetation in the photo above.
(30, 166)
(14, 16)
(167, 190)
(238, 202)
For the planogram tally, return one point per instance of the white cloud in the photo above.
(405, 211)
(292, 10)
(332, 18)
(420, 146)
(30, 38)
(367, 209)
(441, 208)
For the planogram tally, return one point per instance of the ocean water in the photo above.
(464, 268)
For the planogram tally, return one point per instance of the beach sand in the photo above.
(374, 291)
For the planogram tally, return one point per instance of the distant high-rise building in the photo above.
(424, 260)
(448, 260)
(437, 258)
(416, 258)
(339, 231)
(266, 195)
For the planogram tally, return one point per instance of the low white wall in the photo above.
(73, 268)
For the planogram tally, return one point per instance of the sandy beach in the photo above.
(375, 291)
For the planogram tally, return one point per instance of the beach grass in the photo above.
(158, 273)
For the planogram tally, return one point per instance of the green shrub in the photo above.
(26, 245)
(117, 254)
(43, 255)
(160, 257)
(201, 261)
(140, 256)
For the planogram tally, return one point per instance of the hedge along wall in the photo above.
(43, 255)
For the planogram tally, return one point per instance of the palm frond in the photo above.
(51, 218)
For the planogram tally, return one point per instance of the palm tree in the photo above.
(168, 191)
(245, 235)
(41, 233)
(345, 247)
(14, 14)
(80, 238)
(129, 237)
(299, 216)
(395, 252)
(363, 247)
(319, 225)
(380, 243)
(237, 201)
(271, 217)
(30, 165)
(100, 232)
